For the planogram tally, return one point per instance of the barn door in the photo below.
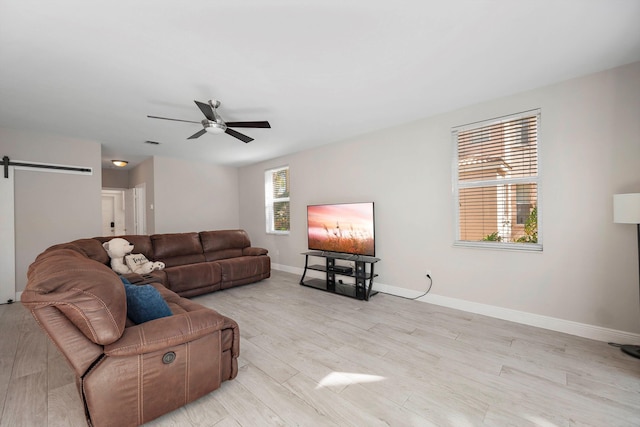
(8, 246)
(7, 217)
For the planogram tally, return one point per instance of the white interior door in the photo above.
(113, 213)
(108, 217)
(8, 246)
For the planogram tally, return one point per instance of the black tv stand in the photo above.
(349, 267)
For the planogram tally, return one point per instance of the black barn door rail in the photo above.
(6, 163)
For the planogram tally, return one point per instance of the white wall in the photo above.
(115, 178)
(589, 150)
(194, 196)
(46, 210)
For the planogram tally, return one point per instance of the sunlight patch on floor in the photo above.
(346, 378)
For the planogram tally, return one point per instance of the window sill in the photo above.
(279, 233)
(517, 247)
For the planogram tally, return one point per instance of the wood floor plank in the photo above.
(11, 319)
(244, 407)
(64, 407)
(311, 358)
(315, 362)
(31, 354)
(583, 405)
(27, 401)
(270, 365)
(380, 406)
(327, 402)
(281, 400)
(447, 408)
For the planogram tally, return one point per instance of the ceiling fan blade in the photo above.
(175, 120)
(263, 124)
(198, 134)
(236, 134)
(206, 110)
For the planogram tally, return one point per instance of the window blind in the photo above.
(497, 181)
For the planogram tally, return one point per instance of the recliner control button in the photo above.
(168, 357)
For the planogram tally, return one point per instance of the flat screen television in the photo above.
(342, 227)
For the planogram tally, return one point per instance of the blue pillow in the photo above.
(144, 303)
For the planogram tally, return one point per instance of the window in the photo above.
(276, 192)
(496, 184)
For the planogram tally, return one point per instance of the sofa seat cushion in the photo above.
(182, 260)
(223, 254)
(183, 278)
(242, 270)
(179, 305)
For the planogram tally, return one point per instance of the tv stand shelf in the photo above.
(361, 271)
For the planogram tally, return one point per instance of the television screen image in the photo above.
(344, 228)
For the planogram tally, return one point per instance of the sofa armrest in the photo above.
(156, 276)
(165, 332)
(251, 251)
(134, 278)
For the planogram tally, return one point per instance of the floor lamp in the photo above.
(626, 210)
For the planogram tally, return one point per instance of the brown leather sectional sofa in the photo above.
(129, 374)
(195, 263)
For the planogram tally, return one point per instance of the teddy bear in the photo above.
(123, 261)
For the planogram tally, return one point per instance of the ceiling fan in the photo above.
(214, 124)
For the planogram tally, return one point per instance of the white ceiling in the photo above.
(318, 70)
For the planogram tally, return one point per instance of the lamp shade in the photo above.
(626, 208)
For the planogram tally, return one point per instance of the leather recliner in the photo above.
(127, 374)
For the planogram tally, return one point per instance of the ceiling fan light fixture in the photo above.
(215, 128)
(120, 163)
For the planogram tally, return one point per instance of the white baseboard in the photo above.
(18, 296)
(559, 325)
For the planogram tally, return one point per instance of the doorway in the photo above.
(113, 207)
(123, 211)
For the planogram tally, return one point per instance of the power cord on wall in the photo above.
(415, 298)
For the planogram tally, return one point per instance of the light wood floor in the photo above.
(310, 358)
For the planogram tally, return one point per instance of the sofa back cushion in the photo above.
(141, 244)
(87, 292)
(223, 244)
(177, 248)
(91, 248)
